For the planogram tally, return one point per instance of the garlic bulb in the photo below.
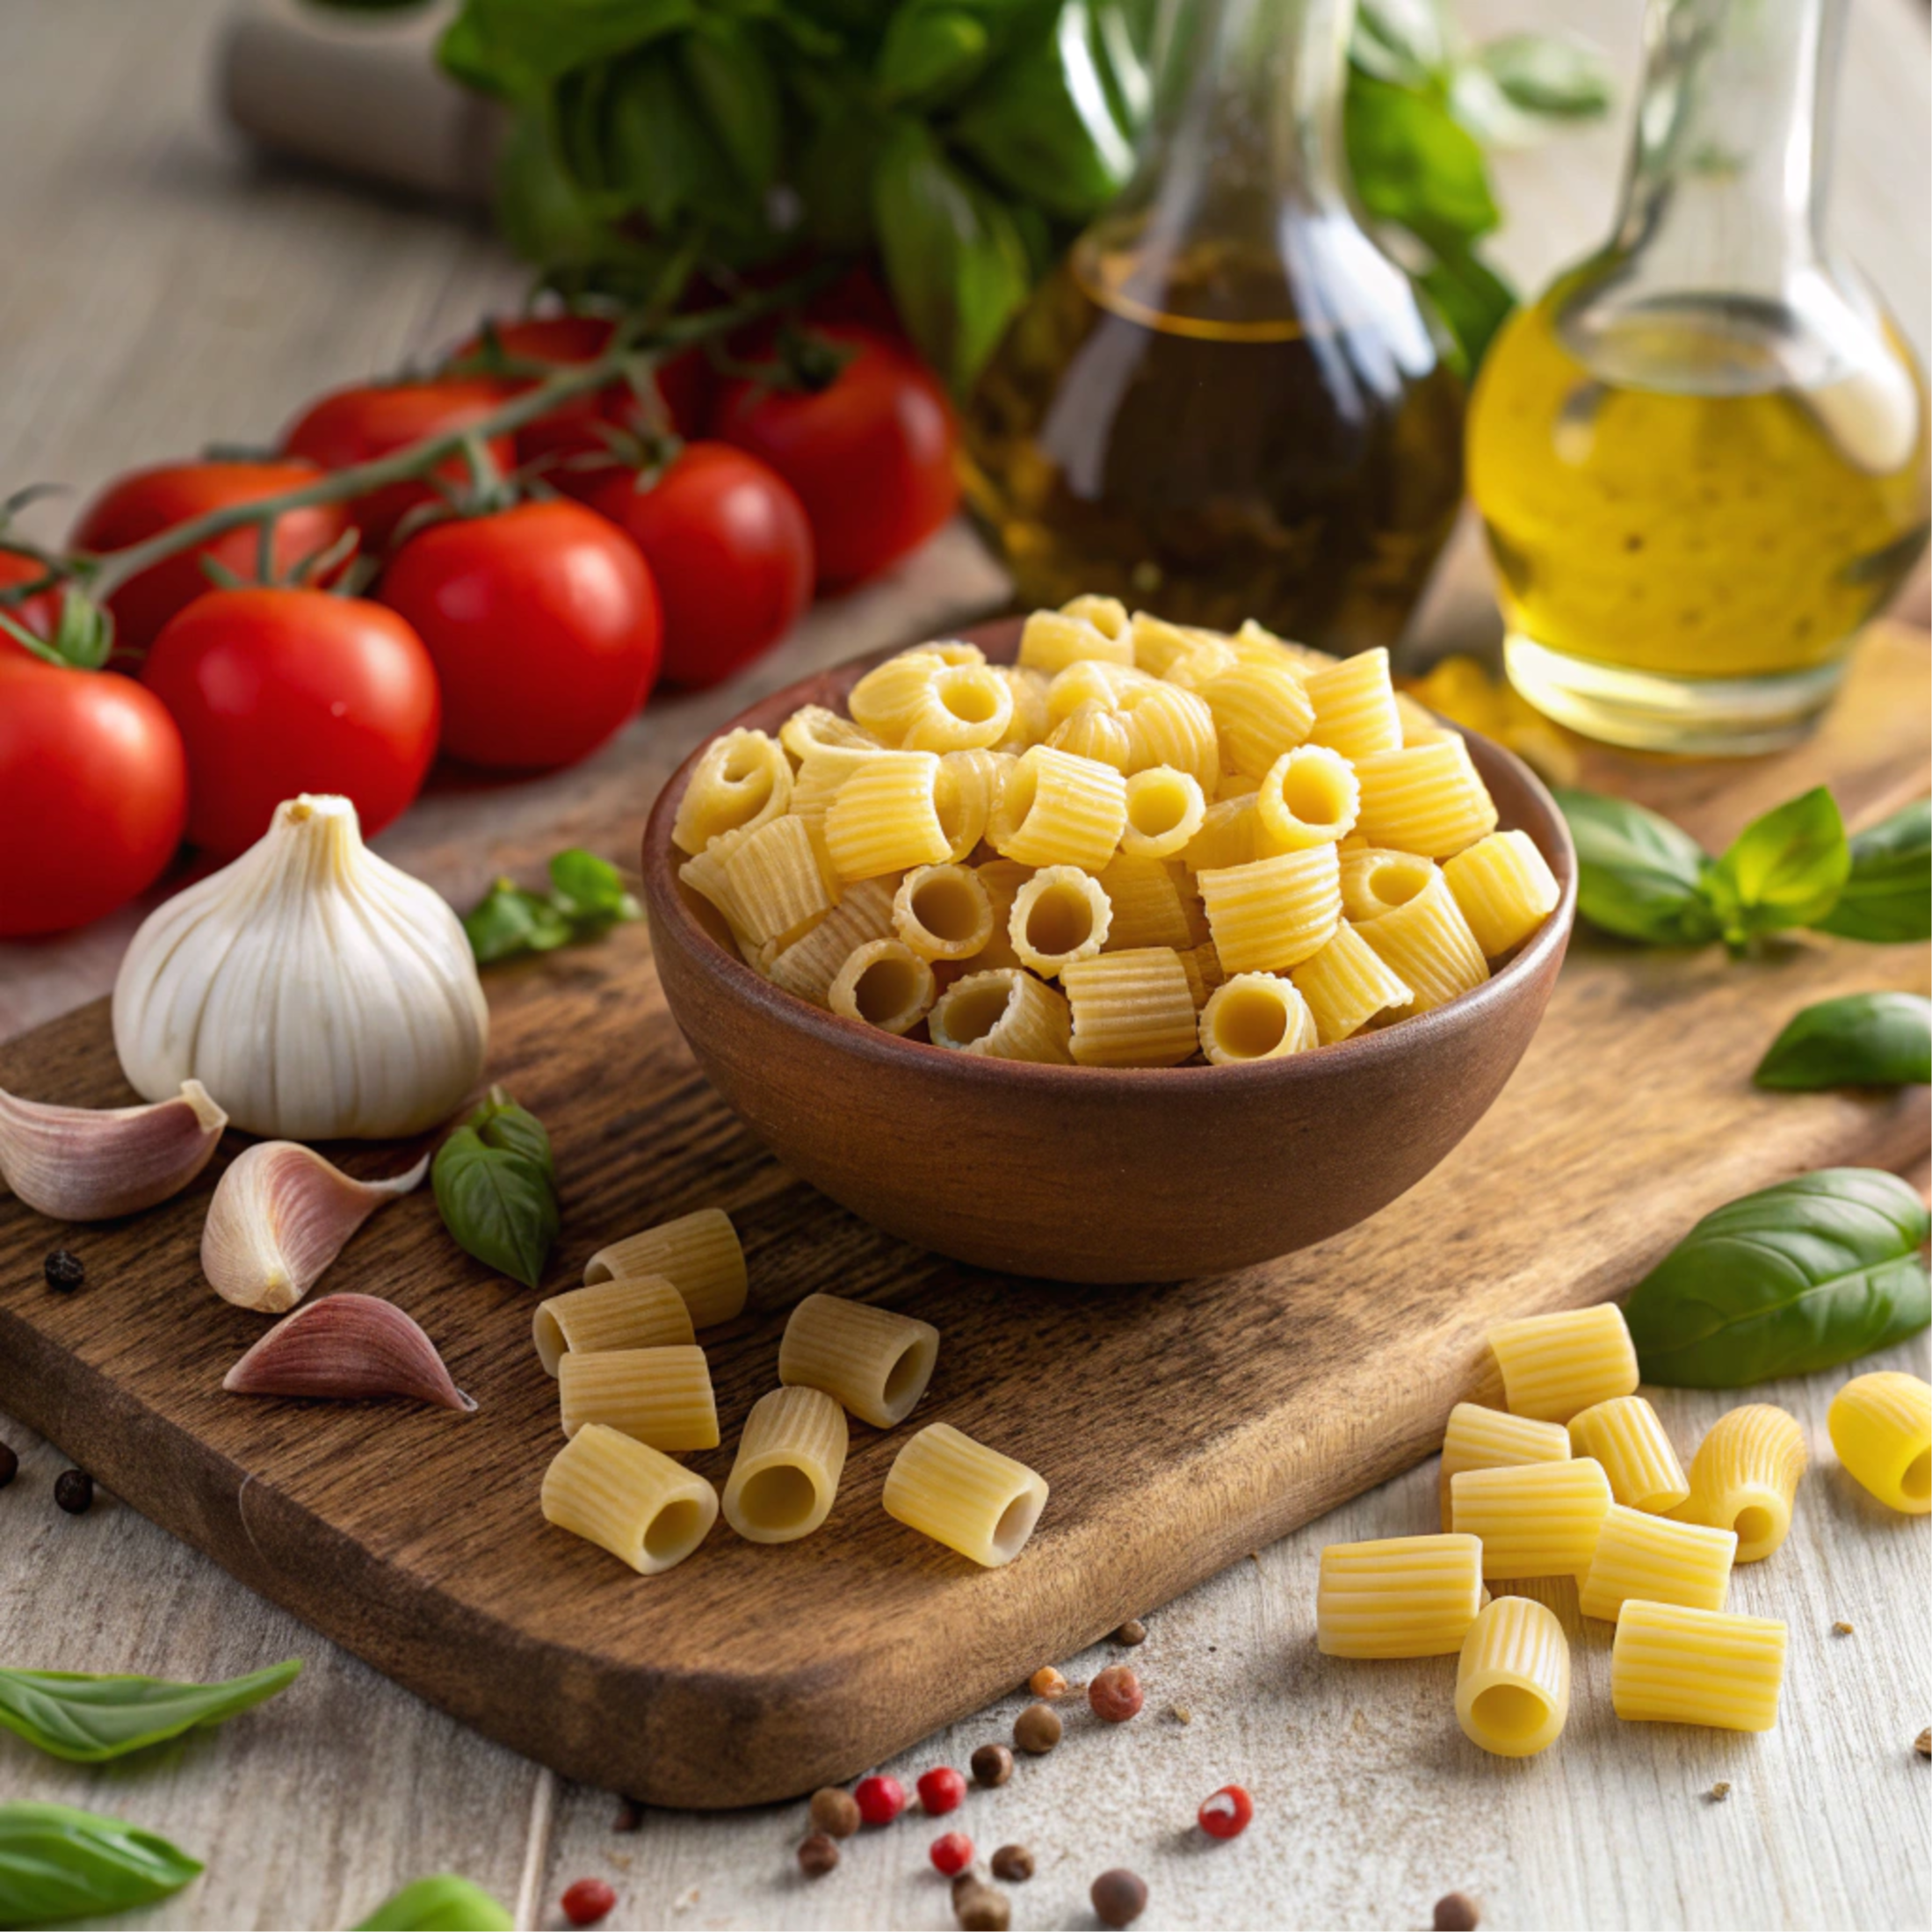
(316, 990)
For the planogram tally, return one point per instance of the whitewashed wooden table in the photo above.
(162, 291)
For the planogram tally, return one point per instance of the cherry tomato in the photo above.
(281, 692)
(730, 549)
(38, 613)
(356, 424)
(869, 455)
(544, 624)
(93, 792)
(145, 501)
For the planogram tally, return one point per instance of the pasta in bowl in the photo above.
(1112, 968)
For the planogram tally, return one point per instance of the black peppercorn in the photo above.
(74, 1491)
(65, 1272)
(991, 1765)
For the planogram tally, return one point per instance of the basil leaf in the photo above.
(733, 81)
(587, 897)
(443, 1904)
(494, 1186)
(1864, 1039)
(88, 1718)
(1785, 869)
(1638, 875)
(501, 1122)
(1888, 896)
(589, 890)
(57, 1863)
(1472, 298)
(931, 53)
(516, 47)
(1415, 165)
(1795, 1279)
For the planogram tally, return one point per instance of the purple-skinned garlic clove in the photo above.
(280, 1214)
(346, 1348)
(91, 1163)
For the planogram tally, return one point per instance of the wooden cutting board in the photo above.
(1179, 1426)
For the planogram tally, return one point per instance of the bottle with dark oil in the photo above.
(1228, 403)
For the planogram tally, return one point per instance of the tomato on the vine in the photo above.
(144, 501)
(278, 691)
(93, 790)
(543, 625)
(38, 613)
(870, 453)
(356, 424)
(730, 547)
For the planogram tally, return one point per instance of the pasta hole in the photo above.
(551, 1344)
(1753, 1524)
(1251, 1022)
(1059, 921)
(1312, 794)
(780, 1497)
(674, 1530)
(971, 1014)
(886, 989)
(742, 762)
(946, 906)
(1917, 1480)
(1396, 882)
(1154, 809)
(1016, 795)
(1015, 1524)
(905, 1380)
(969, 696)
(1509, 1711)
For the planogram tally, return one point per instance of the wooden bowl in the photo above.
(1084, 1174)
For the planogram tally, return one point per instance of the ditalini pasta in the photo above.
(1273, 914)
(1375, 881)
(742, 781)
(1003, 1014)
(1656, 1560)
(943, 912)
(1165, 808)
(1625, 1435)
(1505, 888)
(1052, 639)
(1059, 914)
(1309, 797)
(1256, 1015)
(885, 985)
(1488, 1438)
(1426, 943)
(1057, 809)
(1347, 984)
(875, 1363)
(1513, 1681)
(1399, 1596)
(660, 1396)
(1355, 705)
(1555, 1366)
(885, 817)
(635, 1312)
(697, 1253)
(1533, 1519)
(963, 1495)
(1881, 1426)
(780, 879)
(1148, 905)
(961, 707)
(1131, 1009)
(808, 966)
(1260, 711)
(790, 1459)
(1426, 798)
(1673, 1665)
(628, 1498)
(1744, 1477)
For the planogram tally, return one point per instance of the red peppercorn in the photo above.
(941, 1788)
(1115, 1695)
(952, 1852)
(880, 1799)
(1228, 1813)
(588, 1900)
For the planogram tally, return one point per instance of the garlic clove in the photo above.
(91, 1163)
(346, 1348)
(280, 1214)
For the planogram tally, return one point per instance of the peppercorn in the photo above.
(950, 1852)
(1130, 1632)
(1118, 1898)
(1228, 1813)
(1455, 1912)
(588, 1900)
(981, 1908)
(74, 1491)
(10, 1465)
(880, 1799)
(1014, 1863)
(1047, 1682)
(1115, 1694)
(1922, 1745)
(835, 1812)
(991, 1765)
(941, 1789)
(817, 1856)
(65, 1272)
(1037, 1729)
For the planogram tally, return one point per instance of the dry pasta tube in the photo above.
(637, 1312)
(1744, 1477)
(1256, 643)
(886, 985)
(780, 879)
(1555, 1366)
(1261, 710)
(962, 707)
(1656, 1562)
(1355, 705)
(1202, 966)
(659, 1396)
(1230, 836)
(1270, 915)
(811, 727)
(969, 783)
(1055, 809)
(1626, 1437)
(1535, 1519)
(1670, 1665)
(1256, 1015)
(943, 912)
(741, 782)
(806, 967)
(1513, 1681)
(628, 1499)
(1151, 901)
(874, 1362)
(1093, 681)
(1399, 1596)
(1107, 615)
(697, 1253)
(1487, 1438)
(1428, 798)
(1165, 808)
(1346, 985)
(885, 700)
(885, 817)
(1003, 1014)
(1052, 639)
(1172, 727)
(1157, 644)
(1505, 888)
(1428, 945)
(1031, 720)
(790, 1459)
(1308, 796)
(1059, 914)
(1375, 881)
(821, 773)
(1097, 732)
(963, 1495)
(1131, 1009)
(1881, 1426)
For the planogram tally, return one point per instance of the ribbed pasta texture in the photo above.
(887, 698)
(1347, 984)
(1308, 796)
(1672, 1665)
(1744, 1477)
(1031, 719)
(1052, 639)
(661, 1396)
(969, 786)
(1172, 727)
(962, 1493)
(1202, 966)
(1505, 888)
(1270, 915)
(1656, 1560)
(1261, 711)
(1094, 731)
(808, 966)
(1513, 1682)
(1060, 914)
(874, 1362)
(742, 781)
(1148, 908)
(1003, 879)
(1428, 798)
(962, 707)
(1881, 1426)
(943, 912)
(1256, 1015)
(1488, 1438)
(789, 1462)
(697, 1253)
(884, 984)
(1534, 1519)
(823, 769)
(1003, 1014)
(1376, 880)
(1626, 1437)
(1426, 944)
(1055, 809)
(1230, 836)
(1355, 705)
(812, 728)
(1555, 1366)
(628, 1498)
(1133, 1008)
(1400, 1597)
(885, 818)
(634, 1312)
(780, 880)
(1158, 644)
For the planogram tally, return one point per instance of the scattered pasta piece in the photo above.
(1672, 1665)
(790, 1459)
(1534, 1519)
(874, 1362)
(885, 985)
(1626, 1437)
(963, 1495)
(1881, 1426)
(635, 1312)
(628, 1499)
(1656, 1560)
(1399, 1596)
(1513, 1680)
(1256, 1015)
(1744, 1477)
(1131, 1009)
(1488, 1438)
(1003, 1014)
(659, 1396)
(1555, 1366)
(697, 1253)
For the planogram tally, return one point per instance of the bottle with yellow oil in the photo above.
(1227, 401)
(1700, 458)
